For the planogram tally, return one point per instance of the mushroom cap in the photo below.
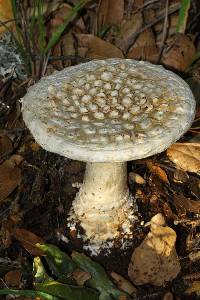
(109, 110)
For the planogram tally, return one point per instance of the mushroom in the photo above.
(105, 113)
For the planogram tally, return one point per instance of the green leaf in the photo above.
(28, 293)
(39, 272)
(59, 262)
(69, 18)
(99, 278)
(183, 16)
(67, 292)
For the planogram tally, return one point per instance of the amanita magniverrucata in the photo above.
(108, 112)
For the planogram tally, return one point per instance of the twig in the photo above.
(173, 8)
(164, 35)
(6, 22)
(144, 5)
(69, 57)
(45, 63)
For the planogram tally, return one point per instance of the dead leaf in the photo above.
(5, 14)
(110, 12)
(59, 16)
(13, 278)
(124, 39)
(194, 186)
(179, 52)
(157, 171)
(168, 296)
(28, 240)
(14, 119)
(123, 284)
(134, 177)
(35, 146)
(167, 211)
(188, 204)
(194, 288)
(144, 47)
(194, 256)
(10, 176)
(186, 156)
(155, 261)
(97, 48)
(180, 176)
(80, 276)
(5, 144)
(65, 47)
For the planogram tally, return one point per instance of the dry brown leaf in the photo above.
(110, 12)
(14, 119)
(5, 144)
(97, 48)
(123, 284)
(5, 14)
(194, 288)
(134, 177)
(28, 240)
(13, 278)
(167, 211)
(186, 156)
(80, 276)
(128, 28)
(157, 171)
(180, 176)
(144, 47)
(155, 261)
(194, 256)
(168, 296)
(59, 16)
(10, 176)
(35, 146)
(179, 52)
(188, 204)
(65, 47)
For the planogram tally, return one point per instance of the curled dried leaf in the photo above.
(155, 261)
(186, 156)
(10, 176)
(179, 52)
(13, 278)
(28, 240)
(5, 145)
(158, 171)
(110, 12)
(186, 203)
(123, 284)
(97, 48)
(80, 276)
(5, 14)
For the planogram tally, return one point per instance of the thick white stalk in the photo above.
(103, 204)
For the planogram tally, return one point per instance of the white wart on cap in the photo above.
(109, 110)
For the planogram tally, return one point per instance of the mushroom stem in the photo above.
(103, 204)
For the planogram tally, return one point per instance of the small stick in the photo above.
(165, 27)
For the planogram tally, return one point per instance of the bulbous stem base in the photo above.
(103, 204)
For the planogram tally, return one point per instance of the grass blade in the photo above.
(183, 16)
(41, 23)
(70, 17)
